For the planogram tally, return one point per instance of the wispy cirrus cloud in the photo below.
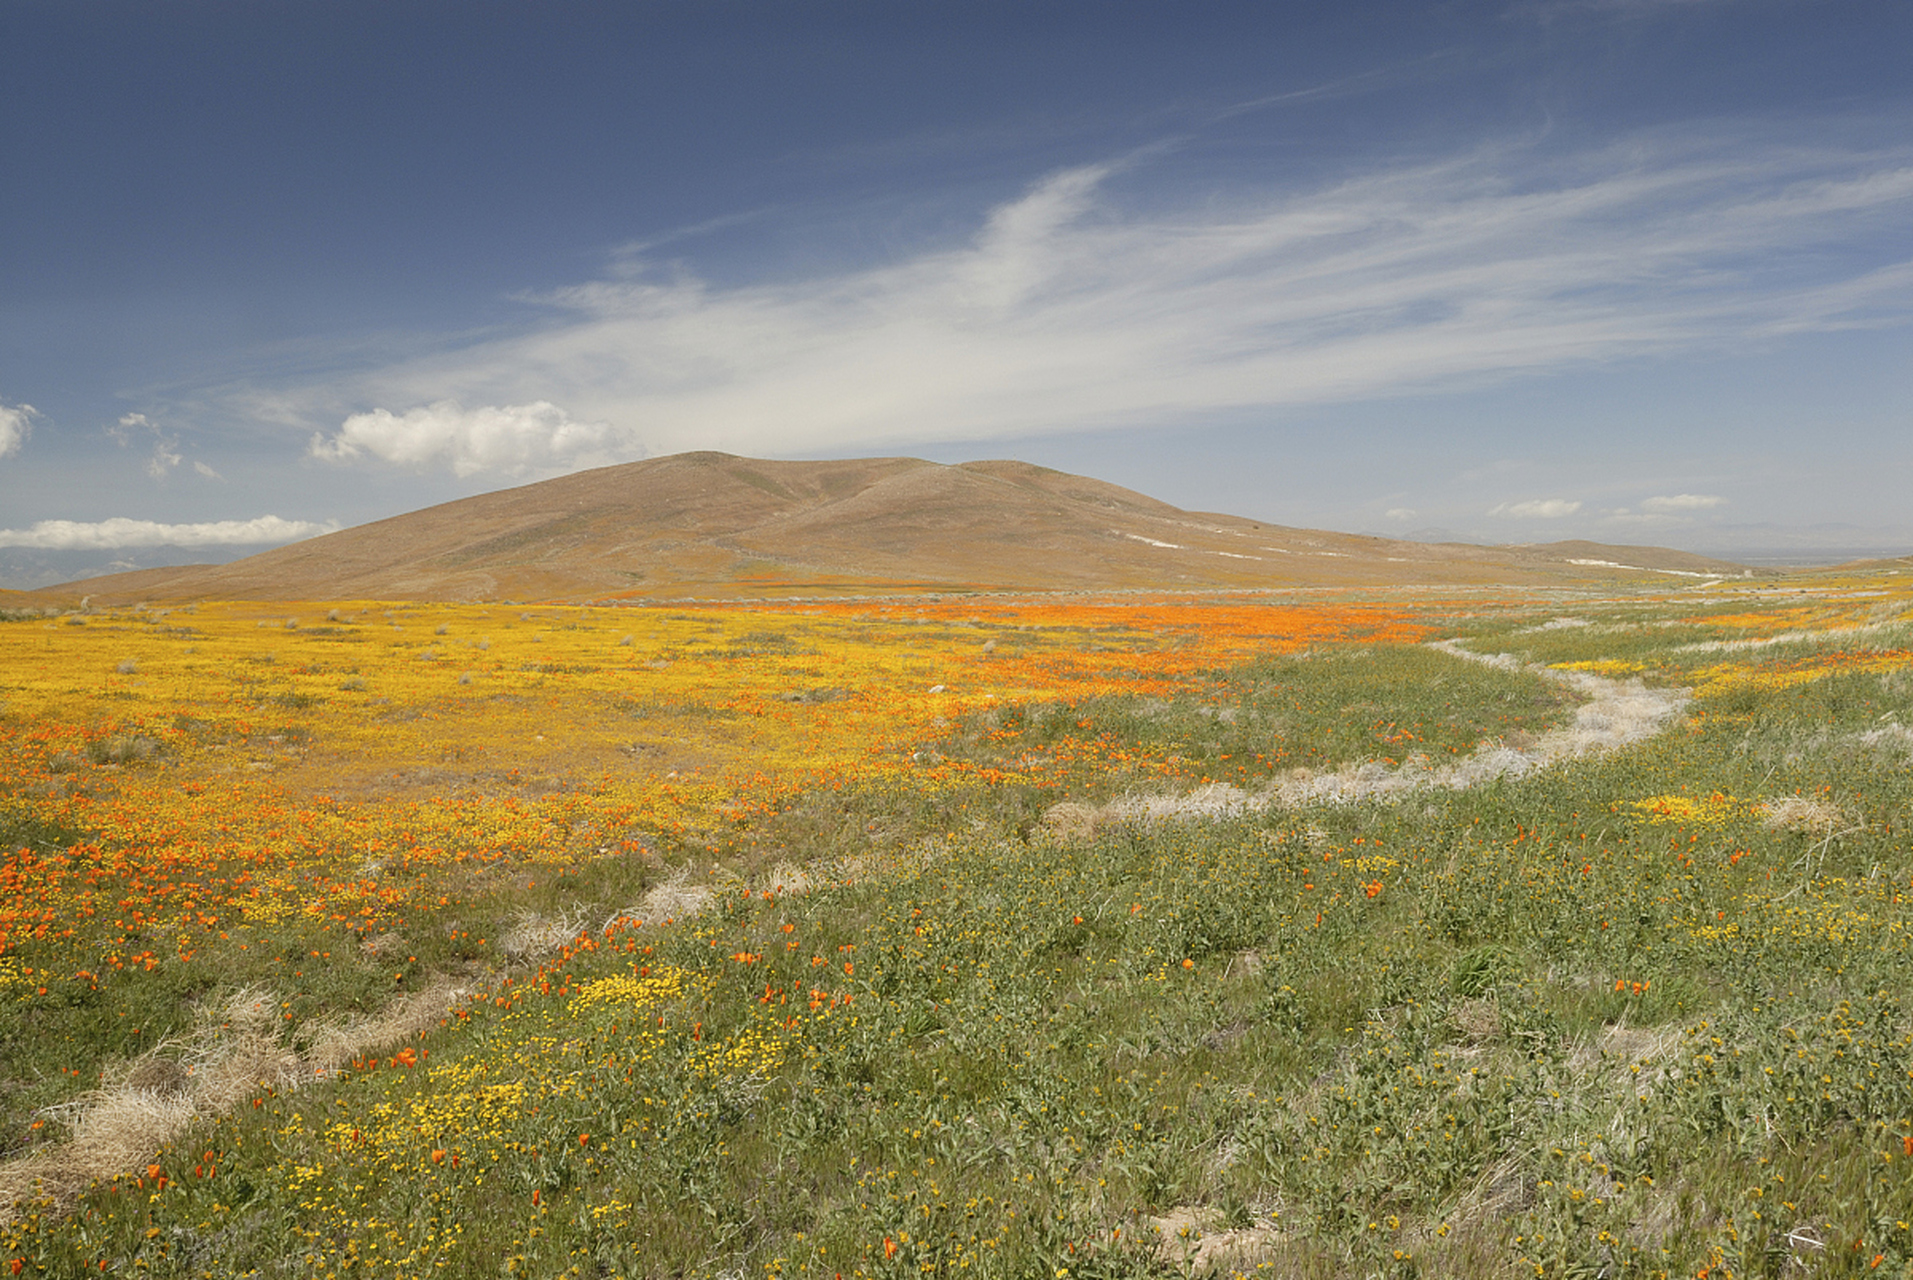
(135, 428)
(1078, 307)
(103, 535)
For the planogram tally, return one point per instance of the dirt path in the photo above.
(1616, 712)
(241, 1049)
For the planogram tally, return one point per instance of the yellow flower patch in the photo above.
(628, 991)
(1689, 810)
(1730, 677)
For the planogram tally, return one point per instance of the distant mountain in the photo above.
(24, 568)
(1435, 533)
(717, 526)
(1657, 559)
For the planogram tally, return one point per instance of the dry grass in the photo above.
(237, 1050)
(383, 944)
(1071, 820)
(533, 934)
(1803, 815)
(681, 897)
(675, 899)
(1196, 1240)
(1478, 1021)
(788, 877)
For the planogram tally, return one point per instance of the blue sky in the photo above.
(1633, 270)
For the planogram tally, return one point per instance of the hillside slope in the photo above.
(713, 525)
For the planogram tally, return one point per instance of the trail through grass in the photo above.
(1634, 1012)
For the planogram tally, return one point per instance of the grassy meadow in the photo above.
(1098, 937)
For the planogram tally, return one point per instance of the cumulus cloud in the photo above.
(1682, 502)
(1072, 307)
(1537, 509)
(16, 424)
(511, 438)
(1400, 513)
(100, 535)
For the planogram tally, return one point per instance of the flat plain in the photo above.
(1542, 931)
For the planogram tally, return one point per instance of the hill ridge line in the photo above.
(718, 526)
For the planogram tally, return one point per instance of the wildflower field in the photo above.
(1441, 933)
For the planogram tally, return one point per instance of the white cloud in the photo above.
(1070, 309)
(1537, 509)
(69, 535)
(207, 471)
(1400, 513)
(515, 438)
(16, 424)
(166, 455)
(1551, 10)
(1683, 502)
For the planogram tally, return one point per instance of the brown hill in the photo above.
(1656, 559)
(714, 525)
(1875, 564)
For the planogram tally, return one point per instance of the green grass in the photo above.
(1524, 1030)
(1312, 710)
